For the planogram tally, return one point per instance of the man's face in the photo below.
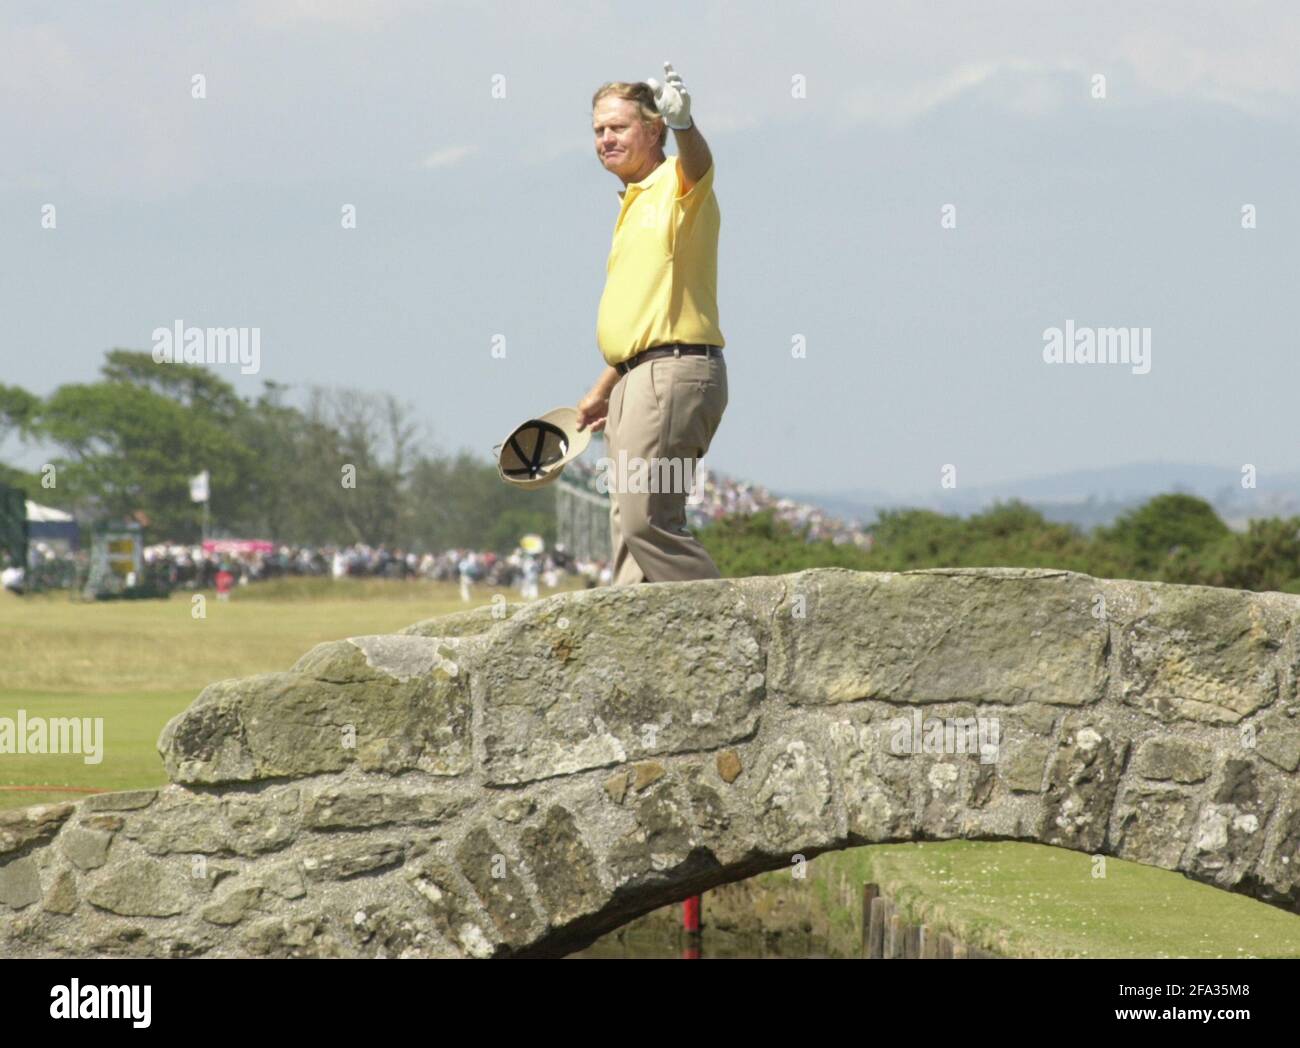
(623, 144)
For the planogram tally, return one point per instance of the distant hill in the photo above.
(1087, 498)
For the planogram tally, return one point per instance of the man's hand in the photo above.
(671, 99)
(592, 410)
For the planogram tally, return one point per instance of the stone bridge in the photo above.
(520, 779)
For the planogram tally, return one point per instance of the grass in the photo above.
(52, 644)
(131, 723)
(1029, 900)
(137, 664)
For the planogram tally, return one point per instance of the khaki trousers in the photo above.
(665, 409)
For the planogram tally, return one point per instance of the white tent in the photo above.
(46, 514)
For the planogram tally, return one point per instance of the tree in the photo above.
(130, 449)
(505, 532)
(373, 437)
(458, 502)
(762, 544)
(132, 441)
(18, 410)
(191, 385)
(1265, 557)
(1161, 528)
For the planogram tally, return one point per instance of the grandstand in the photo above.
(582, 520)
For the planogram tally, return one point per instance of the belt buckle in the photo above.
(677, 349)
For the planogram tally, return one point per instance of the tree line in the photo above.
(341, 466)
(1169, 538)
(326, 466)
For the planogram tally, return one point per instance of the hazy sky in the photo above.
(480, 217)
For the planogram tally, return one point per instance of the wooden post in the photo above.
(896, 935)
(929, 943)
(876, 932)
(870, 892)
(944, 947)
(911, 943)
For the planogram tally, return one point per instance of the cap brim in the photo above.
(537, 450)
(578, 440)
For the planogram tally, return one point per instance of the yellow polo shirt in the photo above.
(661, 280)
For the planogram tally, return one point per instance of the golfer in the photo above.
(663, 393)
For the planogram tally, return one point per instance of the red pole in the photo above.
(691, 915)
(691, 925)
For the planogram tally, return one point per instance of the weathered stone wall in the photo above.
(482, 786)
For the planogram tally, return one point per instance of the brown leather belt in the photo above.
(671, 349)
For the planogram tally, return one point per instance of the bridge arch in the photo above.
(519, 780)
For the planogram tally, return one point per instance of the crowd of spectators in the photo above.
(46, 568)
(178, 566)
(718, 495)
(181, 566)
(191, 567)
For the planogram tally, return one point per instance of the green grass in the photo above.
(52, 644)
(139, 663)
(131, 723)
(1031, 900)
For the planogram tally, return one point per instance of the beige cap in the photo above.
(536, 451)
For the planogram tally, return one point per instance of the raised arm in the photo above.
(694, 154)
(674, 104)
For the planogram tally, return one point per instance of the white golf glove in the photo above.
(672, 101)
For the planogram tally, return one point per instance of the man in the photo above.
(528, 588)
(466, 571)
(12, 579)
(663, 392)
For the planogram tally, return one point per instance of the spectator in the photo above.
(467, 567)
(225, 580)
(12, 578)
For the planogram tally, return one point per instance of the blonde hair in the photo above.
(643, 96)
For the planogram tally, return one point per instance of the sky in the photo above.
(913, 192)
